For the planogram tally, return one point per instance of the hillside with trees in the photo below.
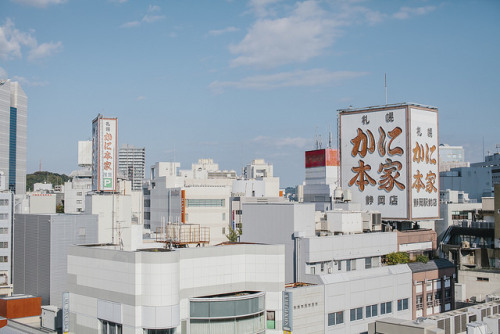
(45, 177)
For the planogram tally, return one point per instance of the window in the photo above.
(4, 244)
(79, 193)
(4, 202)
(223, 216)
(159, 331)
(356, 313)
(239, 212)
(4, 215)
(4, 230)
(368, 262)
(108, 327)
(335, 318)
(429, 299)
(386, 308)
(371, 311)
(419, 302)
(339, 264)
(4, 259)
(483, 279)
(350, 265)
(270, 315)
(205, 202)
(313, 270)
(402, 304)
(322, 266)
(78, 201)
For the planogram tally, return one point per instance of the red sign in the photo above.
(322, 158)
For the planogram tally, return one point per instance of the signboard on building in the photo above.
(287, 311)
(104, 161)
(389, 160)
(65, 312)
(322, 158)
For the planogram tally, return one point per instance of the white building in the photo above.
(222, 289)
(131, 164)
(451, 157)
(198, 196)
(346, 285)
(80, 184)
(13, 132)
(6, 207)
(121, 215)
(258, 168)
(76, 190)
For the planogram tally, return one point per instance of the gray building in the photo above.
(13, 124)
(40, 252)
(131, 161)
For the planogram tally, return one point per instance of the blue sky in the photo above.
(240, 80)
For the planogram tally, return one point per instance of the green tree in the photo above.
(233, 234)
(422, 258)
(45, 177)
(397, 258)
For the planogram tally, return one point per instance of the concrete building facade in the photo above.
(131, 164)
(40, 249)
(222, 289)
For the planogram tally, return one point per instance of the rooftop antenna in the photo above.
(316, 144)
(40, 166)
(386, 88)
(329, 136)
(320, 142)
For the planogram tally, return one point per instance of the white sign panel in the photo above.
(104, 164)
(376, 160)
(424, 163)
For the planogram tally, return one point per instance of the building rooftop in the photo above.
(394, 105)
(437, 264)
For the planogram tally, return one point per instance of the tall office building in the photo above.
(131, 162)
(13, 124)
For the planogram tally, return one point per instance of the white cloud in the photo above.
(26, 82)
(299, 78)
(305, 31)
(13, 40)
(40, 3)
(152, 18)
(222, 31)
(45, 50)
(295, 38)
(297, 142)
(406, 12)
(261, 7)
(149, 17)
(130, 24)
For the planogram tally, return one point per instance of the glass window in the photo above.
(335, 318)
(4, 215)
(402, 304)
(4, 202)
(386, 308)
(205, 202)
(4, 230)
(4, 244)
(356, 313)
(108, 327)
(371, 311)
(271, 324)
(368, 262)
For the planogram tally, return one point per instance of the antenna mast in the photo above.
(386, 88)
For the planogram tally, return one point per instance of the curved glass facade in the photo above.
(238, 313)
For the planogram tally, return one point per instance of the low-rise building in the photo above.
(220, 289)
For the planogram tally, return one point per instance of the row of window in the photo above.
(205, 202)
(336, 318)
(4, 202)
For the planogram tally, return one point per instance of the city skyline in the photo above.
(236, 81)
